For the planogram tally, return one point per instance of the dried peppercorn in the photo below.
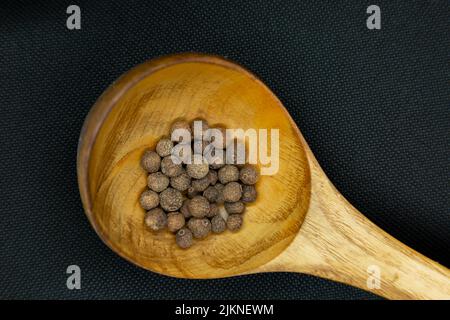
(156, 219)
(211, 193)
(184, 238)
(232, 192)
(198, 168)
(170, 168)
(185, 209)
(248, 193)
(219, 187)
(181, 182)
(175, 221)
(202, 128)
(248, 175)
(200, 185)
(228, 173)
(219, 137)
(200, 227)
(151, 161)
(157, 181)
(213, 210)
(212, 176)
(218, 224)
(207, 181)
(182, 152)
(234, 222)
(199, 146)
(149, 200)
(198, 206)
(164, 147)
(216, 162)
(171, 199)
(181, 136)
(191, 192)
(234, 207)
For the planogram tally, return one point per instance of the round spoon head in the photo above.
(135, 112)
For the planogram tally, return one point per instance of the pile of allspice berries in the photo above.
(194, 199)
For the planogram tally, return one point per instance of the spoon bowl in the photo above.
(299, 221)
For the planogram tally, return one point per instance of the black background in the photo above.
(374, 105)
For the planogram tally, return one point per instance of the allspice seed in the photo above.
(164, 147)
(200, 227)
(234, 222)
(222, 139)
(184, 238)
(218, 225)
(198, 168)
(156, 219)
(191, 192)
(217, 162)
(185, 196)
(169, 168)
(199, 146)
(181, 182)
(181, 125)
(219, 187)
(200, 185)
(198, 206)
(182, 152)
(212, 176)
(232, 192)
(171, 199)
(203, 125)
(157, 181)
(151, 161)
(248, 175)
(228, 173)
(213, 210)
(175, 221)
(185, 209)
(149, 200)
(211, 193)
(248, 193)
(234, 207)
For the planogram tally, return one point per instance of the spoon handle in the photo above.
(337, 242)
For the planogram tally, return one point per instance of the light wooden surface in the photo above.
(334, 241)
(337, 242)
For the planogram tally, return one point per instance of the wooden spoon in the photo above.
(299, 223)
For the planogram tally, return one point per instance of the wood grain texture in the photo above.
(335, 241)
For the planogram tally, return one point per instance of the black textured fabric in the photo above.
(373, 105)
